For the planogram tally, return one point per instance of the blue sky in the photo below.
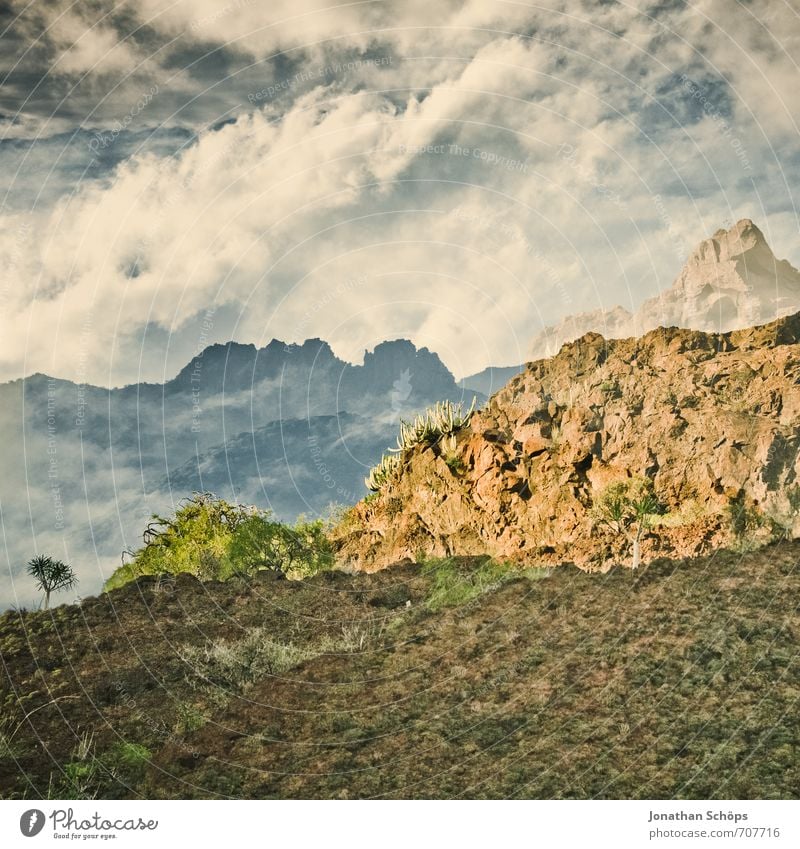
(458, 173)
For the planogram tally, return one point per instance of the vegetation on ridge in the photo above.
(629, 508)
(51, 576)
(214, 540)
(444, 419)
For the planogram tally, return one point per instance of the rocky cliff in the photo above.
(731, 281)
(712, 420)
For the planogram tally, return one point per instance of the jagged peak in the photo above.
(728, 244)
(741, 229)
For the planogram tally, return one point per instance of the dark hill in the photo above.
(680, 681)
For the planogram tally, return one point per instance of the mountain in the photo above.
(488, 381)
(731, 281)
(291, 427)
(712, 420)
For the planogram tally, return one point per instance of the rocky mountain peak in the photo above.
(400, 360)
(743, 236)
(730, 281)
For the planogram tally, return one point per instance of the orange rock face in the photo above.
(712, 419)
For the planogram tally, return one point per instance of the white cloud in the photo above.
(269, 212)
(168, 237)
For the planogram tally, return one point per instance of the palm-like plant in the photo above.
(629, 508)
(51, 575)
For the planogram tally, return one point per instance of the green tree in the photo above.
(213, 540)
(51, 575)
(195, 540)
(261, 543)
(629, 508)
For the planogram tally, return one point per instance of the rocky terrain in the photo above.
(731, 281)
(438, 680)
(713, 420)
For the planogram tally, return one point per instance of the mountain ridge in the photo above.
(710, 419)
(727, 283)
(85, 466)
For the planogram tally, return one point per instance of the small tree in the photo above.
(260, 543)
(263, 544)
(629, 508)
(51, 575)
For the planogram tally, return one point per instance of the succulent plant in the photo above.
(436, 422)
(381, 473)
(441, 420)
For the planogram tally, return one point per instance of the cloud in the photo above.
(527, 160)
(170, 236)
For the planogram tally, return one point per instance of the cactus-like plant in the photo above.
(444, 419)
(441, 420)
(381, 473)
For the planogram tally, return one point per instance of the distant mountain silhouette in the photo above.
(286, 426)
(730, 281)
(491, 379)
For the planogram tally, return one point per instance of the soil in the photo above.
(678, 681)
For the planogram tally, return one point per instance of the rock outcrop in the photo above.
(713, 420)
(731, 281)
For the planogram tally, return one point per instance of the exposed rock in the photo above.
(731, 281)
(712, 419)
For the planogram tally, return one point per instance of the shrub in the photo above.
(744, 518)
(130, 755)
(235, 664)
(126, 762)
(629, 508)
(188, 718)
(610, 388)
(195, 540)
(80, 777)
(259, 543)
(456, 581)
(214, 540)
(89, 775)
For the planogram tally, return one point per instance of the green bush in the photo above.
(629, 509)
(89, 775)
(259, 543)
(456, 581)
(214, 540)
(130, 755)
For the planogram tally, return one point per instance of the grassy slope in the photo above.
(681, 681)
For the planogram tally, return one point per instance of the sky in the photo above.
(174, 174)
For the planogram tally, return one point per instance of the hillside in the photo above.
(453, 679)
(711, 421)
